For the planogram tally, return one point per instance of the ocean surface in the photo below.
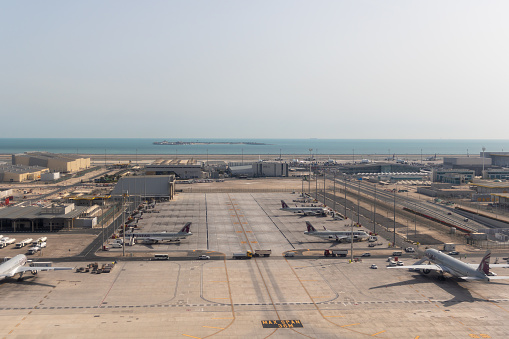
(271, 146)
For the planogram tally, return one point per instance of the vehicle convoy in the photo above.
(243, 255)
(335, 253)
(264, 253)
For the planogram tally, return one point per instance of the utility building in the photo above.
(146, 186)
(67, 163)
(270, 169)
(20, 173)
(182, 169)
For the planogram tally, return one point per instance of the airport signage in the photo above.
(281, 323)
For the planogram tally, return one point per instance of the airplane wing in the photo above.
(491, 265)
(420, 267)
(40, 269)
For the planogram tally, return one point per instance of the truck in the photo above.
(243, 255)
(448, 247)
(264, 253)
(335, 253)
(23, 243)
(6, 241)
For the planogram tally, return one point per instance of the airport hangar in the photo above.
(20, 173)
(67, 163)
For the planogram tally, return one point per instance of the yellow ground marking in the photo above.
(230, 318)
(221, 328)
(235, 223)
(239, 231)
(232, 215)
(242, 242)
(17, 324)
(350, 325)
(417, 337)
(245, 223)
(23, 318)
(377, 333)
(254, 242)
(190, 336)
(241, 215)
(249, 231)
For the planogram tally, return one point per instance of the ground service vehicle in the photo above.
(161, 257)
(262, 253)
(243, 255)
(335, 253)
(397, 254)
(290, 254)
(24, 243)
(203, 257)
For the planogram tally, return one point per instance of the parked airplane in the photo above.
(443, 263)
(306, 210)
(16, 265)
(162, 236)
(336, 235)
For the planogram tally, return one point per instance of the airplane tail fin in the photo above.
(484, 266)
(283, 204)
(310, 227)
(186, 228)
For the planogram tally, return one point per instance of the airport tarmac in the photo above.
(329, 298)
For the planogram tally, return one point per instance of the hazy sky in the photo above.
(255, 69)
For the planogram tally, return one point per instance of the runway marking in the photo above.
(377, 333)
(221, 328)
(190, 336)
(350, 325)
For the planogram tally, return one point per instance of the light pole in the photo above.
(344, 178)
(483, 149)
(334, 201)
(358, 201)
(374, 213)
(324, 187)
(394, 242)
(309, 181)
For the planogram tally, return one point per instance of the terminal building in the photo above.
(20, 173)
(49, 218)
(67, 163)
(181, 169)
(453, 176)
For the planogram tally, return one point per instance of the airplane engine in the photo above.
(426, 271)
(34, 272)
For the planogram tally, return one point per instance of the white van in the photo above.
(116, 245)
